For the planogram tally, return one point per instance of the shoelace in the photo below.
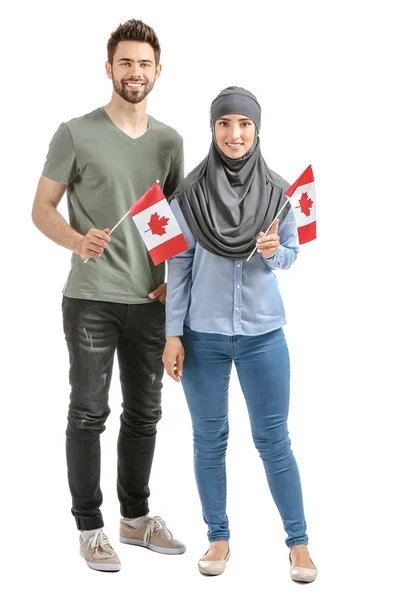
(100, 539)
(153, 524)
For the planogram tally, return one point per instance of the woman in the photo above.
(222, 308)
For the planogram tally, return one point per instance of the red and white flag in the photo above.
(302, 199)
(157, 225)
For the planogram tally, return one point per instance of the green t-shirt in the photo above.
(106, 172)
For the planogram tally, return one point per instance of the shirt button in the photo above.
(238, 287)
(236, 308)
(238, 264)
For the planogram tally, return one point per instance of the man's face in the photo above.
(133, 71)
(234, 134)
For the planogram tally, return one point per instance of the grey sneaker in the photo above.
(98, 553)
(151, 533)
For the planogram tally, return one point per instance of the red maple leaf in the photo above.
(157, 224)
(305, 204)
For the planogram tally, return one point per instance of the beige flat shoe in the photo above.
(302, 574)
(213, 567)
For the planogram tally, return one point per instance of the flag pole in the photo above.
(287, 200)
(115, 226)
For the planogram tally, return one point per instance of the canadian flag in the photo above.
(302, 198)
(157, 225)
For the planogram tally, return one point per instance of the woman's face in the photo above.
(234, 134)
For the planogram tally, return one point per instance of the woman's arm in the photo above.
(179, 283)
(288, 245)
(179, 279)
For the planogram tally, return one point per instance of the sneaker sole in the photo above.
(103, 567)
(151, 547)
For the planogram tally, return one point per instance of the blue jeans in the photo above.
(262, 364)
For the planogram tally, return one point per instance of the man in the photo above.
(105, 161)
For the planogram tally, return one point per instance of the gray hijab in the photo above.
(226, 202)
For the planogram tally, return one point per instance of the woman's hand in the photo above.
(173, 357)
(268, 245)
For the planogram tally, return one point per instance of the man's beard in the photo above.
(133, 96)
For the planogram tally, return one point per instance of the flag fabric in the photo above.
(302, 199)
(157, 225)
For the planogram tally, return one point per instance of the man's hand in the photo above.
(159, 293)
(173, 357)
(268, 245)
(92, 244)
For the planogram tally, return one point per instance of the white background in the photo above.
(326, 75)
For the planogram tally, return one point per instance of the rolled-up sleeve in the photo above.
(179, 279)
(289, 244)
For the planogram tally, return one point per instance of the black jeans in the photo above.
(94, 331)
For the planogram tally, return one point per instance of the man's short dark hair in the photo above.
(134, 31)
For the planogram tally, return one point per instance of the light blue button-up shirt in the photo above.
(214, 294)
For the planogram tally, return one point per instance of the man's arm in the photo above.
(175, 174)
(50, 222)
